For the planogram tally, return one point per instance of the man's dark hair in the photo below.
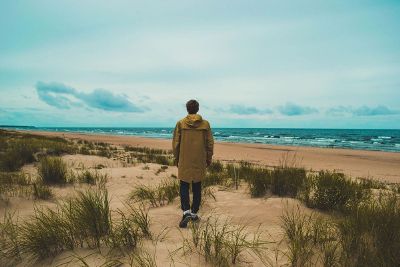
(192, 106)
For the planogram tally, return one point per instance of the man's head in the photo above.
(192, 106)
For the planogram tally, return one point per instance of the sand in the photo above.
(235, 205)
(356, 163)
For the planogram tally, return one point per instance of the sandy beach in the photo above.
(379, 165)
(233, 204)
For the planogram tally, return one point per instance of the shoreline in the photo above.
(380, 165)
(385, 140)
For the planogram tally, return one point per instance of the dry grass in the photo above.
(222, 243)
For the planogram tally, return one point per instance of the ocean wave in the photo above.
(384, 140)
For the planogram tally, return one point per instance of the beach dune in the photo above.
(379, 165)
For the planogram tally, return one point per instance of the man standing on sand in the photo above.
(193, 146)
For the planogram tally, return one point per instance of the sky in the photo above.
(267, 64)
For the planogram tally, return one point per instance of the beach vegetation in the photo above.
(223, 243)
(18, 149)
(159, 195)
(53, 170)
(366, 235)
(333, 191)
(370, 232)
(92, 177)
(83, 221)
(9, 245)
(311, 239)
(41, 191)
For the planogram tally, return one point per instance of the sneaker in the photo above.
(185, 219)
(195, 217)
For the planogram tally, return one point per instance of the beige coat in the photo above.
(193, 146)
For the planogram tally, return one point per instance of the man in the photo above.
(193, 146)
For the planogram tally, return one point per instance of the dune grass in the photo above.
(223, 243)
(52, 170)
(287, 181)
(151, 155)
(83, 221)
(17, 149)
(91, 217)
(45, 235)
(281, 181)
(333, 191)
(312, 239)
(159, 195)
(9, 246)
(14, 184)
(41, 191)
(142, 259)
(18, 153)
(92, 177)
(216, 167)
(368, 234)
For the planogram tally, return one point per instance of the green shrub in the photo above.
(259, 182)
(258, 178)
(52, 170)
(333, 191)
(370, 233)
(287, 181)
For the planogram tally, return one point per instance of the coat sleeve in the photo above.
(176, 141)
(209, 144)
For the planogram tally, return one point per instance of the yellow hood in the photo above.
(194, 121)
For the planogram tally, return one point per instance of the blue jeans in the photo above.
(185, 198)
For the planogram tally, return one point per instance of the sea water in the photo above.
(381, 140)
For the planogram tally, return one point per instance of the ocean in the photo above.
(379, 140)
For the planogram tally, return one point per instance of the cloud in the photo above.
(243, 110)
(374, 111)
(363, 111)
(291, 109)
(64, 97)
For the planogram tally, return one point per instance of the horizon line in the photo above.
(138, 127)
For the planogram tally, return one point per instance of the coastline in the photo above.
(379, 165)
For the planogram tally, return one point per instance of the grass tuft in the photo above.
(159, 195)
(52, 170)
(41, 191)
(222, 244)
(333, 191)
(9, 245)
(90, 215)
